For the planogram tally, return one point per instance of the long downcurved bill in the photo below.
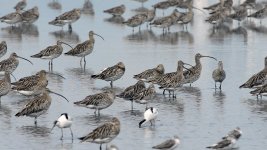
(188, 64)
(58, 95)
(56, 75)
(99, 36)
(210, 57)
(67, 44)
(25, 59)
(199, 10)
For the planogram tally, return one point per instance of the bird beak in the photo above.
(25, 59)
(67, 44)
(188, 64)
(99, 36)
(58, 95)
(210, 57)
(56, 75)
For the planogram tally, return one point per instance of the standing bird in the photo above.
(236, 133)
(116, 11)
(3, 48)
(218, 74)
(69, 17)
(145, 94)
(164, 5)
(223, 144)
(29, 79)
(5, 85)
(149, 115)
(21, 5)
(38, 105)
(31, 15)
(239, 15)
(10, 64)
(32, 85)
(64, 121)
(170, 81)
(150, 74)
(150, 16)
(98, 101)
(168, 144)
(136, 20)
(51, 52)
(111, 73)
(104, 133)
(85, 48)
(12, 18)
(186, 18)
(194, 72)
(257, 79)
(166, 22)
(132, 90)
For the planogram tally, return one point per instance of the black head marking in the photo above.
(151, 108)
(66, 115)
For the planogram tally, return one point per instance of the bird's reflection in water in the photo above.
(253, 27)
(66, 36)
(65, 145)
(88, 8)
(83, 75)
(169, 38)
(12, 32)
(115, 19)
(218, 33)
(24, 28)
(139, 36)
(186, 36)
(35, 131)
(54, 5)
(93, 120)
(257, 106)
(219, 98)
(5, 115)
(241, 31)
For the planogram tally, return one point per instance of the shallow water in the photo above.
(199, 116)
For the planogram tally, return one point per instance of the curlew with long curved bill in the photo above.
(51, 52)
(38, 105)
(193, 74)
(10, 64)
(85, 48)
(257, 79)
(33, 85)
(111, 73)
(104, 133)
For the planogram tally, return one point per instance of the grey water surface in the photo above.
(199, 115)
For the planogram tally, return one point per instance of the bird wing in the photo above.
(100, 132)
(145, 74)
(167, 144)
(35, 105)
(91, 99)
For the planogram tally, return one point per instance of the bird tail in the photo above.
(37, 55)
(95, 76)
(18, 114)
(69, 53)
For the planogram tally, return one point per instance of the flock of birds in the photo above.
(36, 85)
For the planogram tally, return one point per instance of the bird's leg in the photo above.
(71, 133)
(190, 84)
(100, 147)
(35, 120)
(61, 134)
(220, 86)
(70, 28)
(132, 105)
(111, 84)
(84, 59)
(95, 112)
(81, 61)
(151, 122)
(140, 28)
(163, 92)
